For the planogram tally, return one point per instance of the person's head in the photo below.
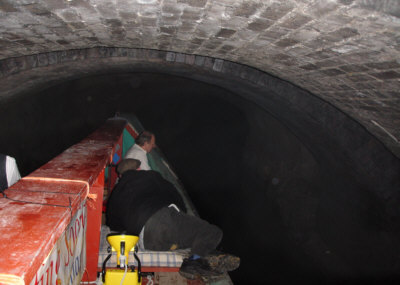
(127, 164)
(146, 140)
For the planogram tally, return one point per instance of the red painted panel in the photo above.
(30, 230)
(93, 229)
(132, 131)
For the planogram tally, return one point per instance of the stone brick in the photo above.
(171, 9)
(6, 6)
(227, 48)
(62, 31)
(37, 9)
(389, 94)
(277, 10)
(197, 41)
(322, 54)
(231, 68)
(43, 60)
(225, 33)
(344, 87)
(208, 63)
(250, 74)
(77, 25)
(107, 10)
(387, 75)
(150, 22)
(113, 23)
(321, 8)
(70, 15)
(296, 21)
(299, 51)
(11, 37)
(192, 15)
(168, 30)
(305, 34)
(285, 59)
(199, 60)
(359, 77)
(332, 72)
(163, 46)
(81, 4)
(286, 42)
(176, 41)
(127, 16)
(384, 65)
(62, 42)
(247, 9)
(391, 7)
(353, 68)
(327, 63)
(40, 30)
(259, 25)
(360, 57)
(169, 21)
(309, 67)
(24, 42)
(204, 33)
(194, 3)
(218, 63)
(340, 34)
(346, 2)
(170, 56)
(118, 34)
(190, 59)
(273, 33)
(180, 57)
(212, 44)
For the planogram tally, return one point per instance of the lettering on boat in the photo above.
(67, 260)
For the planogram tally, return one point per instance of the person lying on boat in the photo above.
(9, 173)
(144, 204)
(145, 142)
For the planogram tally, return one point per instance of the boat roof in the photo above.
(37, 209)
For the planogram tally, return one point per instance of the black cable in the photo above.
(35, 203)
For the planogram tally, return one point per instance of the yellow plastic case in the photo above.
(114, 277)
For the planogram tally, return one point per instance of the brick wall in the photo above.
(347, 52)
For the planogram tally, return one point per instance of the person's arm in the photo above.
(144, 162)
(12, 171)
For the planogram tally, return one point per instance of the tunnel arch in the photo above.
(343, 51)
(287, 102)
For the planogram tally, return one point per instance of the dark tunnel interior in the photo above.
(294, 210)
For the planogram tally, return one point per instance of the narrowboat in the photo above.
(52, 221)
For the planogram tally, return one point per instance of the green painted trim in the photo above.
(127, 142)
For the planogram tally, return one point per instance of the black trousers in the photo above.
(169, 229)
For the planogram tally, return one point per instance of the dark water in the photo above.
(290, 216)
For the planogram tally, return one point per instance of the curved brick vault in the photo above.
(344, 51)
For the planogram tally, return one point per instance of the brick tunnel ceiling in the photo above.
(347, 52)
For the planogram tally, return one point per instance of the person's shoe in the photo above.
(198, 268)
(222, 262)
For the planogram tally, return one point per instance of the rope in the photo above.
(48, 179)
